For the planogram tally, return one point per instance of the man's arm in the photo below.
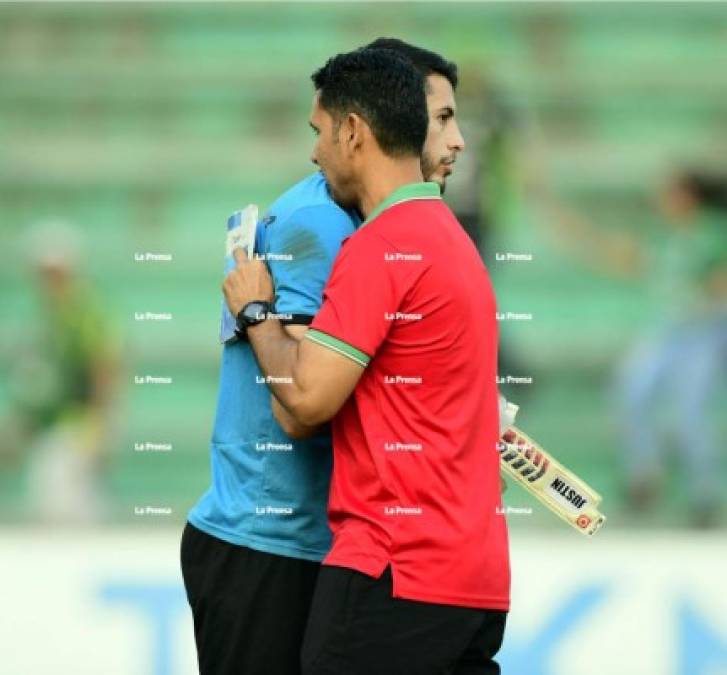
(311, 382)
(287, 422)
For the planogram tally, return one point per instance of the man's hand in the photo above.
(249, 281)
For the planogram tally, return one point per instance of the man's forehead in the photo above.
(315, 117)
(439, 92)
(317, 110)
(314, 103)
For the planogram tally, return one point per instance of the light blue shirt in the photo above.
(270, 492)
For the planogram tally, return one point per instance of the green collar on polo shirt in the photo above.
(406, 193)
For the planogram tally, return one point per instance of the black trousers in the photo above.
(357, 628)
(250, 608)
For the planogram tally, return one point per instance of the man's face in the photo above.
(329, 153)
(54, 280)
(444, 140)
(676, 201)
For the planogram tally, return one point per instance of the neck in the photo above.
(382, 177)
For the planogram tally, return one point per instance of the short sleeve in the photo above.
(362, 298)
(300, 252)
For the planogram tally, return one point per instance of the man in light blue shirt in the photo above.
(269, 492)
(253, 543)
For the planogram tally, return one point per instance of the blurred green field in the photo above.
(147, 124)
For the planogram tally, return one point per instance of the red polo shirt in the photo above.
(416, 477)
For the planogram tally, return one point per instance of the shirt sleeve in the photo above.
(362, 298)
(300, 252)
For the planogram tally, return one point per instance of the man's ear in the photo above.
(353, 131)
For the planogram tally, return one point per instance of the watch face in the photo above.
(254, 312)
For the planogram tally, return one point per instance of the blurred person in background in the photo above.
(681, 356)
(485, 194)
(62, 388)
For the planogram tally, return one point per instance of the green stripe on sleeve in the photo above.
(338, 346)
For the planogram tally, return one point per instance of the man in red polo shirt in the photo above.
(402, 356)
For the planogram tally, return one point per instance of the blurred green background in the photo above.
(146, 125)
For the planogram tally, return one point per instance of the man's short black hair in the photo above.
(382, 87)
(425, 61)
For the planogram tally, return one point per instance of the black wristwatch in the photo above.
(251, 314)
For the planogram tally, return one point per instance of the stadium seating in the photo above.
(147, 124)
